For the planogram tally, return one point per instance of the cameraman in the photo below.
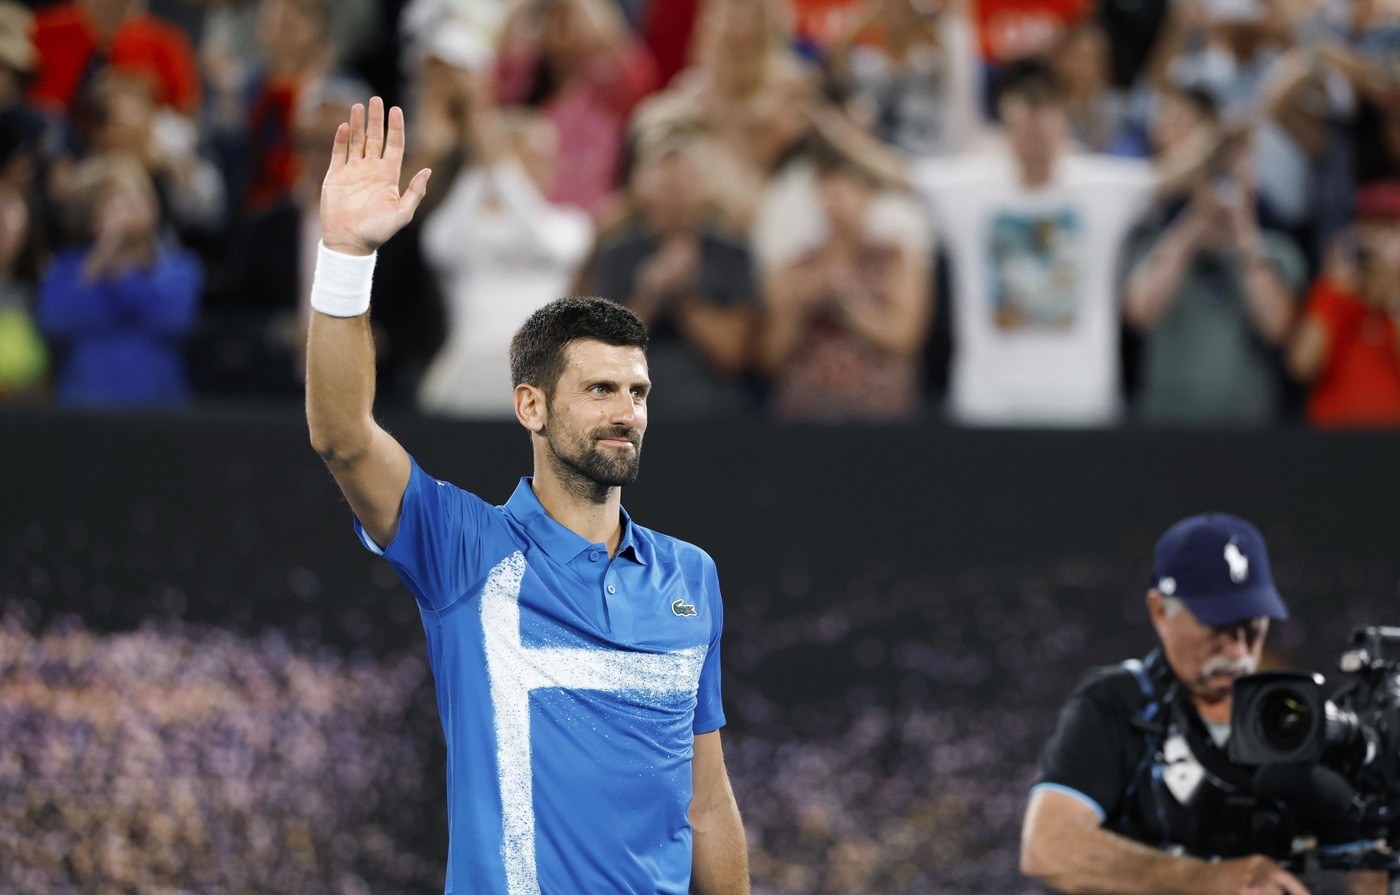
(1136, 793)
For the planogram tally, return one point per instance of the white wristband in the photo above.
(342, 282)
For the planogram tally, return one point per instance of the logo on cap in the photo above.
(1239, 563)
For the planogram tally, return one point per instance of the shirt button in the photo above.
(611, 589)
(593, 556)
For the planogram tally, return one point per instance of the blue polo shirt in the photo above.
(570, 688)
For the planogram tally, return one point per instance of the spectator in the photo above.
(575, 61)
(1214, 296)
(1347, 347)
(748, 92)
(847, 320)
(452, 77)
(912, 70)
(126, 121)
(78, 38)
(24, 360)
(500, 250)
(121, 303)
(1034, 238)
(298, 53)
(1101, 117)
(1237, 50)
(690, 280)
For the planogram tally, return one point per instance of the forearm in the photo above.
(1155, 281)
(899, 325)
(1082, 860)
(1267, 297)
(1308, 353)
(340, 366)
(340, 386)
(720, 863)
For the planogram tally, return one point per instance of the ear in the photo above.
(1156, 609)
(530, 408)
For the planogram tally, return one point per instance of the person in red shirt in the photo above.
(1347, 344)
(77, 38)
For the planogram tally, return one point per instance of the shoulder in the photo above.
(685, 557)
(1114, 689)
(1098, 170)
(933, 175)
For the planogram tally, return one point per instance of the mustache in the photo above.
(1238, 667)
(621, 432)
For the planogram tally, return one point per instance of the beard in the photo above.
(589, 470)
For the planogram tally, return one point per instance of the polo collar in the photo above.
(562, 544)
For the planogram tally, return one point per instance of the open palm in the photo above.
(361, 206)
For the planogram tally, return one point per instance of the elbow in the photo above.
(337, 449)
(1137, 310)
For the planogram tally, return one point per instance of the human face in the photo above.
(1207, 659)
(1035, 131)
(671, 192)
(597, 416)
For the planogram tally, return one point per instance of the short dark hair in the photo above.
(1031, 79)
(537, 351)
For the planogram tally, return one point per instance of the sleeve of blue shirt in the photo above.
(709, 713)
(438, 550)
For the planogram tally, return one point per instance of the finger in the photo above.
(357, 131)
(374, 133)
(393, 147)
(340, 147)
(417, 189)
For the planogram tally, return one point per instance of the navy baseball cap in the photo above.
(1218, 565)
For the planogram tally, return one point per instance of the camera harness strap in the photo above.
(1152, 726)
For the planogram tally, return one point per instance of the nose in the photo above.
(1235, 640)
(624, 409)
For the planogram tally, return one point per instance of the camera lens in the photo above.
(1285, 719)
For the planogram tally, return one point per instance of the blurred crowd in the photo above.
(1001, 212)
(186, 759)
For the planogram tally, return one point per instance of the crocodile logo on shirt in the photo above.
(682, 608)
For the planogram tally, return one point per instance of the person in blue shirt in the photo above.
(575, 653)
(121, 304)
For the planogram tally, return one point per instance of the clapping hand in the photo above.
(361, 206)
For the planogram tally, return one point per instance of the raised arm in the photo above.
(361, 207)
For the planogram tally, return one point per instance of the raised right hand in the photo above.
(361, 206)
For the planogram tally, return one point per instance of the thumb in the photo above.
(417, 190)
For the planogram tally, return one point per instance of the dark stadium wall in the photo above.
(906, 606)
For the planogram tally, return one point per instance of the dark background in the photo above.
(906, 606)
